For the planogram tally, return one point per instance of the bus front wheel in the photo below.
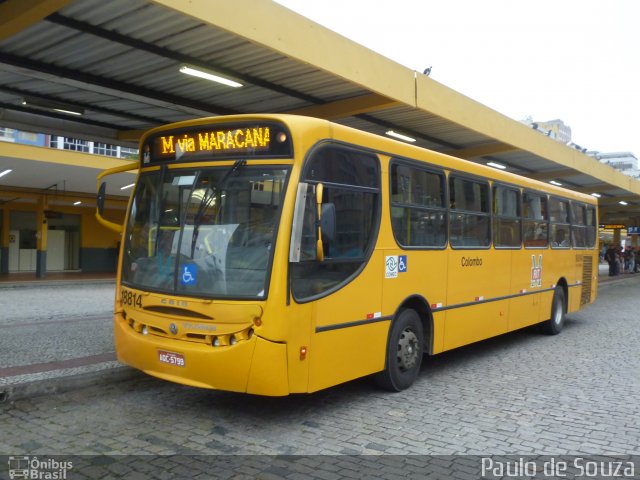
(554, 325)
(404, 352)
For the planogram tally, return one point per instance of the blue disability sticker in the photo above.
(402, 263)
(189, 274)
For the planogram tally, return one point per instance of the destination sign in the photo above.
(218, 142)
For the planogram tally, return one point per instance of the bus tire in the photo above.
(405, 349)
(554, 325)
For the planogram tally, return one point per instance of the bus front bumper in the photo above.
(255, 365)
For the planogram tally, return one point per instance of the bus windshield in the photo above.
(204, 232)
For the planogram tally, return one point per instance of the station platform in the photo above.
(56, 333)
(54, 278)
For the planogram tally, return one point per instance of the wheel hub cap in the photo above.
(408, 349)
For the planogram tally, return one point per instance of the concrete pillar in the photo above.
(43, 229)
(617, 237)
(4, 242)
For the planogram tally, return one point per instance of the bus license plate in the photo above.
(172, 358)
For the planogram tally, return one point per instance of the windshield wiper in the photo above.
(236, 166)
(207, 200)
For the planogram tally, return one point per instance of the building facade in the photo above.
(52, 230)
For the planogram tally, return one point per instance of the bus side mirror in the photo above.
(328, 222)
(311, 228)
(101, 197)
(102, 194)
(319, 244)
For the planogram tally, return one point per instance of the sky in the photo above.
(574, 60)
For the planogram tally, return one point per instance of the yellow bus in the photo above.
(278, 254)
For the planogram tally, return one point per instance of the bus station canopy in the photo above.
(117, 65)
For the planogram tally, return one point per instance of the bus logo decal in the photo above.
(536, 271)
(391, 267)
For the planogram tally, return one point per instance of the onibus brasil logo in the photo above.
(34, 468)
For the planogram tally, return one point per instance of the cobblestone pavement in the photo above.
(576, 393)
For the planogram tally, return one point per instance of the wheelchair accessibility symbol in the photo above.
(402, 263)
(189, 274)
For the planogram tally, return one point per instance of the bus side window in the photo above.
(418, 214)
(560, 223)
(591, 230)
(578, 225)
(506, 217)
(535, 218)
(470, 216)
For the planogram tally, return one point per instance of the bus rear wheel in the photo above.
(554, 325)
(404, 352)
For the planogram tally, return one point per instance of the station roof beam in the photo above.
(17, 15)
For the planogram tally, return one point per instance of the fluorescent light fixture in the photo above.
(54, 105)
(622, 202)
(77, 203)
(391, 133)
(553, 182)
(209, 76)
(70, 112)
(127, 186)
(5, 172)
(497, 165)
(597, 195)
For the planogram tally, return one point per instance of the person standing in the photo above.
(626, 257)
(611, 258)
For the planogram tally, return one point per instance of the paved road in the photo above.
(55, 322)
(523, 393)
